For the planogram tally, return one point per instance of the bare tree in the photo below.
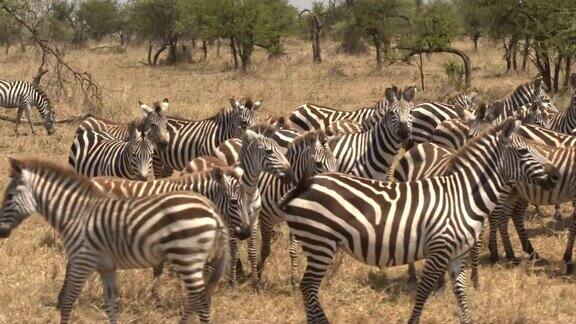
(65, 80)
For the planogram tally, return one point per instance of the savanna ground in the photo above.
(32, 261)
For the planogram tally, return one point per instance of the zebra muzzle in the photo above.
(5, 231)
(553, 176)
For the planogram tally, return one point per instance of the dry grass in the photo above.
(33, 265)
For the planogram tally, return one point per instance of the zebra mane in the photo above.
(264, 128)
(42, 94)
(61, 172)
(529, 85)
(463, 151)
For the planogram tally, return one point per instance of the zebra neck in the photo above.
(570, 117)
(199, 183)
(249, 180)
(62, 204)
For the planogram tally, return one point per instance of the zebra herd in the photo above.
(325, 172)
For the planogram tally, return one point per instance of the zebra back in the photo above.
(565, 122)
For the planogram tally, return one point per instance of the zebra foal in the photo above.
(387, 224)
(102, 233)
(24, 95)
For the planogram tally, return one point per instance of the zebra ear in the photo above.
(250, 136)
(311, 139)
(509, 127)
(234, 103)
(145, 107)
(409, 93)
(537, 86)
(164, 104)
(390, 94)
(494, 111)
(16, 166)
(480, 112)
(217, 175)
(256, 105)
(573, 81)
(132, 131)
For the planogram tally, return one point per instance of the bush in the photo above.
(454, 73)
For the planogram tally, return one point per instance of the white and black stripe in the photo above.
(101, 233)
(23, 95)
(386, 224)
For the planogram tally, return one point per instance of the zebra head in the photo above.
(46, 110)
(539, 95)
(264, 154)
(522, 162)
(228, 193)
(534, 114)
(482, 119)
(465, 100)
(399, 113)
(19, 201)
(156, 116)
(246, 111)
(139, 150)
(311, 155)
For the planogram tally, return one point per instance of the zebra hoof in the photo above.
(569, 268)
(476, 284)
(412, 284)
(494, 258)
(540, 262)
(514, 262)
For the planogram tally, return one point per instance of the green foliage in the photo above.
(436, 26)
(99, 17)
(157, 19)
(455, 73)
(10, 31)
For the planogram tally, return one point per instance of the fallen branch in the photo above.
(61, 121)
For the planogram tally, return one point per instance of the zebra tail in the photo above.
(221, 261)
(305, 183)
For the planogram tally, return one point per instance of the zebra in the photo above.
(565, 122)
(95, 154)
(427, 116)
(371, 153)
(155, 115)
(183, 228)
(387, 224)
(308, 117)
(24, 95)
(453, 133)
(189, 139)
(307, 155)
(219, 184)
(464, 99)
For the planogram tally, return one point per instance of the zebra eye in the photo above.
(523, 151)
(269, 151)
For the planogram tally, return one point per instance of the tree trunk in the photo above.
(567, 71)
(158, 52)
(421, 68)
(451, 50)
(172, 51)
(150, 47)
(7, 48)
(557, 73)
(514, 56)
(378, 46)
(525, 53)
(315, 31)
(234, 51)
(507, 56)
(543, 65)
(218, 47)
(205, 49)
(475, 38)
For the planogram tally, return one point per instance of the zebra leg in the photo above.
(518, 219)
(294, 260)
(268, 233)
(434, 268)
(557, 213)
(458, 274)
(18, 118)
(493, 225)
(253, 256)
(108, 278)
(66, 279)
(475, 256)
(78, 275)
(412, 277)
(318, 262)
(570, 244)
(156, 273)
(27, 111)
(197, 299)
(233, 243)
(334, 266)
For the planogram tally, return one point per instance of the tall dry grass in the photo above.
(32, 261)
